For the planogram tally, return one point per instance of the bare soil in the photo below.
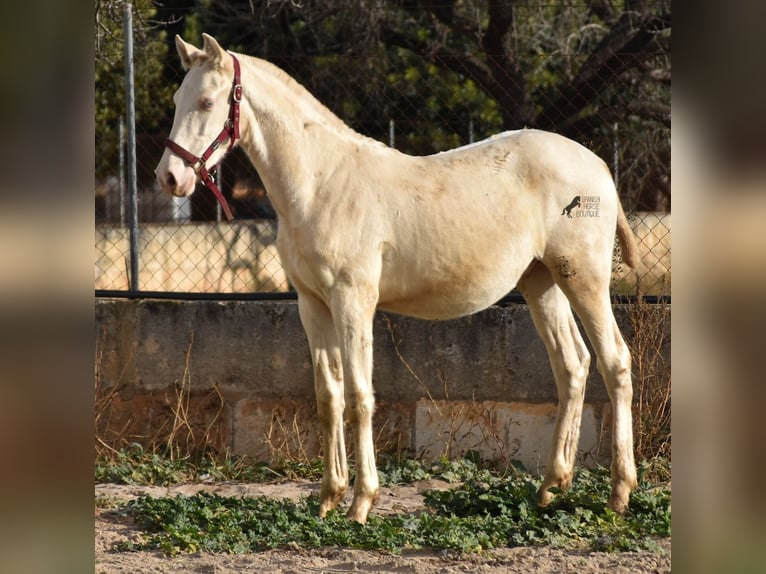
(113, 528)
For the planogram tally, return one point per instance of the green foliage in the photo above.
(289, 470)
(393, 472)
(153, 94)
(470, 518)
(134, 465)
(575, 518)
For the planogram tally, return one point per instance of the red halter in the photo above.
(230, 131)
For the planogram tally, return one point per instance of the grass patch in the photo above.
(394, 471)
(487, 511)
(135, 465)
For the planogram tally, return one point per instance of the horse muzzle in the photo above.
(178, 180)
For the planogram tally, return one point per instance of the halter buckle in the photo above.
(236, 93)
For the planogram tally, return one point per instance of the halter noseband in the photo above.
(230, 131)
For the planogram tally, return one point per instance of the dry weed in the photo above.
(179, 424)
(649, 347)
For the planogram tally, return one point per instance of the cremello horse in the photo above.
(365, 227)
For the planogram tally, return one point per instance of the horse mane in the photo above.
(319, 111)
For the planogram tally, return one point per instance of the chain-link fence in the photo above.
(184, 245)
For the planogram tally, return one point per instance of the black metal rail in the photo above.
(510, 299)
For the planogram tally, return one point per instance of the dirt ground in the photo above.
(112, 529)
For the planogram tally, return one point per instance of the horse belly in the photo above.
(437, 307)
(450, 296)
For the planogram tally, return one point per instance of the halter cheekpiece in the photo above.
(230, 131)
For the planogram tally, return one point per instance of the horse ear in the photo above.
(187, 52)
(212, 48)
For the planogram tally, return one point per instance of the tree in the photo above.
(152, 93)
(592, 72)
(597, 71)
(444, 70)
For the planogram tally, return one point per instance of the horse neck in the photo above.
(289, 136)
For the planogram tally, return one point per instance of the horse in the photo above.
(362, 226)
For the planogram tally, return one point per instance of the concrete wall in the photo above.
(478, 383)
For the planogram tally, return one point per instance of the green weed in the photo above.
(396, 471)
(135, 465)
(473, 517)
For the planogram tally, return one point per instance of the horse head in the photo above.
(203, 105)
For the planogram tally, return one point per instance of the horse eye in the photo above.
(207, 104)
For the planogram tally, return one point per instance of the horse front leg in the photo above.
(328, 388)
(353, 310)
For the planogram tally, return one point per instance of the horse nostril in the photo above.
(171, 181)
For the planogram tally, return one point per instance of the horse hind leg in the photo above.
(328, 387)
(570, 362)
(588, 292)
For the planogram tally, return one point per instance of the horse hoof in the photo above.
(618, 501)
(544, 497)
(329, 502)
(360, 508)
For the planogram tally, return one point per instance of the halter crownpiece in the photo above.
(230, 131)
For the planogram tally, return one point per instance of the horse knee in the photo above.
(330, 404)
(360, 407)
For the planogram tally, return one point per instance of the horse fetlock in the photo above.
(560, 475)
(558, 478)
(360, 507)
(623, 471)
(623, 483)
(618, 500)
(329, 498)
(544, 497)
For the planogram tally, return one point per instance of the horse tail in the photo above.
(627, 239)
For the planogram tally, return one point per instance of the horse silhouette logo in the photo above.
(572, 204)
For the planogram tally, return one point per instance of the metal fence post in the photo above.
(121, 136)
(130, 105)
(616, 156)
